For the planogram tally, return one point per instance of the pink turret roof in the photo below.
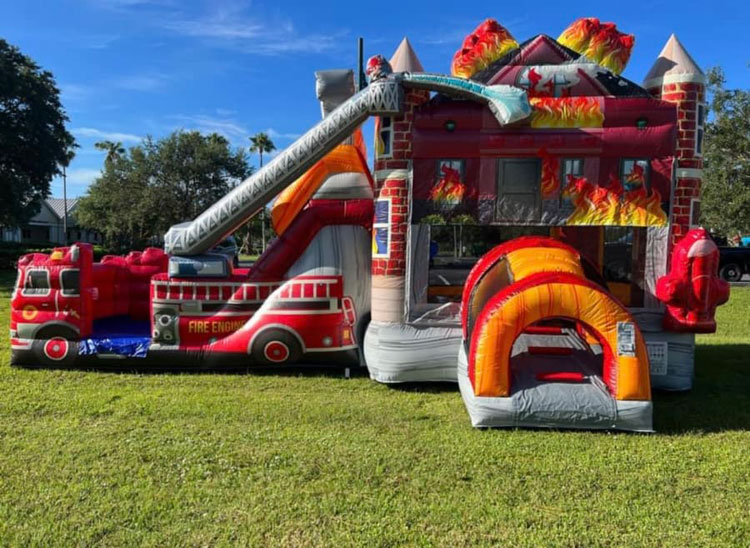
(674, 65)
(405, 59)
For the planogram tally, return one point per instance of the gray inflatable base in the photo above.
(679, 370)
(672, 355)
(398, 353)
(552, 405)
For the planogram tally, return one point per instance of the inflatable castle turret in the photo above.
(676, 78)
(392, 154)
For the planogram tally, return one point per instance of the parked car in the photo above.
(734, 262)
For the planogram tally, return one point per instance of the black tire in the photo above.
(275, 347)
(731, 272)
(55, 346)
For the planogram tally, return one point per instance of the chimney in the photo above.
(676, 78)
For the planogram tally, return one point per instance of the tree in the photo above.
(725, 204)
(33, 138)
(113, 150)
(152, 186)
(260, 143)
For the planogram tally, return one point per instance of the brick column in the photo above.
(401, 153)
(389, 273)
(392, 176)
(687, 96)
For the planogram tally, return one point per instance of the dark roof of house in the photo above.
(613, 83)
(57, 205)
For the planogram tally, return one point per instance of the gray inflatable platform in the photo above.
(534, 403)
(397, 352)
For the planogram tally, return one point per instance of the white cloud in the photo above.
(98, 41)
(141, 82)
(75, 92)
(228, 26)
(273, 134)
(106, 135)
(229, 127)
(125, 4)
(82, 176)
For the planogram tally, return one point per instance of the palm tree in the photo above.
(113, 149)
(260, 143)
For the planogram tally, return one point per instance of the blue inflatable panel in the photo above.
(129, 347)
(120, 336)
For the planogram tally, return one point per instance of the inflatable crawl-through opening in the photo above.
(558, 296)
(517, 302)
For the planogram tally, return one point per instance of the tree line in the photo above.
(145, 189)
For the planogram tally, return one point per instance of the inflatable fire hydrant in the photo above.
(692, 290)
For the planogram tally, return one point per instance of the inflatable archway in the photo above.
(514, 373)
(553, 295)
(511, 262)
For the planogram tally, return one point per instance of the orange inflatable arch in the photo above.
(562, 295)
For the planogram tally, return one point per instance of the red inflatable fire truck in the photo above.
(66, 307)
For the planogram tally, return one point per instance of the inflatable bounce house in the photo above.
(529, 231)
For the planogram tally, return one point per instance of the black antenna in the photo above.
(361, 79)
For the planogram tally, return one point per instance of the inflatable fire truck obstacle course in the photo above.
(528, 231)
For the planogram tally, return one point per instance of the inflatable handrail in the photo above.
(384, 97)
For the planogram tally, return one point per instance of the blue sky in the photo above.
(130, 68)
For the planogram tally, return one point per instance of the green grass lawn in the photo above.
(96, 458)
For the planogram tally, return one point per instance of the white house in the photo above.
(47, 226)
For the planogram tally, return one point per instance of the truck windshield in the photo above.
(36, 283)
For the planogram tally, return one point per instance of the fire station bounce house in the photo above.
(528, 231)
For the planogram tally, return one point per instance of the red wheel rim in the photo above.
(56, 348)
(276, 351)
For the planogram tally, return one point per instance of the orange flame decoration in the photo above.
(600, 42)
(486, 44)
(566, 112)
(449, 190)
(550, 176)
(596, 205)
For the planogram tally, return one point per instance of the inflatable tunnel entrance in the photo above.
(513, 374)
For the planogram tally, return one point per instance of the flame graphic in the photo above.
(489, 41)
(566, 112)
(600, 42)
(449, 190)
(550, 176)
(596, 205)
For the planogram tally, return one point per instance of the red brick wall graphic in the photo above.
(676, 78)
(391, 223)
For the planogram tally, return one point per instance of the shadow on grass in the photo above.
(433, 387)
(720, 398)
(114, 368)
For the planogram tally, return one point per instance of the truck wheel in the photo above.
(275, 347)
(55, 346)
(731, 272)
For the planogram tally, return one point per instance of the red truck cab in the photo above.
(62, 298)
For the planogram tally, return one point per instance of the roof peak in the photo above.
(674, 65)
(405, 59)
